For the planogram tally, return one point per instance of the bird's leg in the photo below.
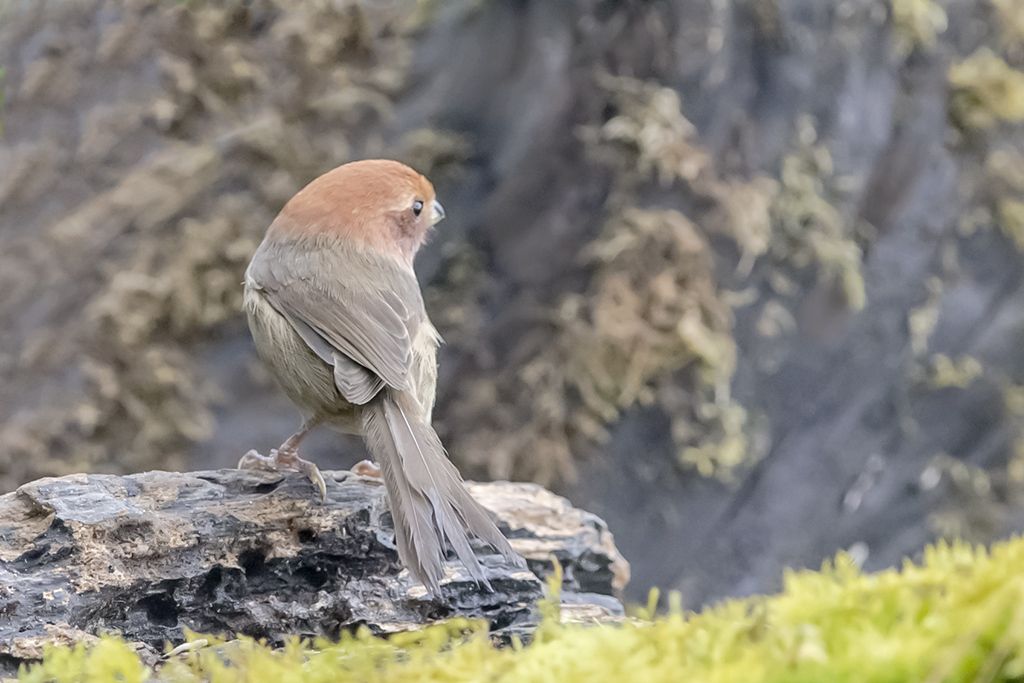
(286, 457)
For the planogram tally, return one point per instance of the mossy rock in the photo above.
(954, 617)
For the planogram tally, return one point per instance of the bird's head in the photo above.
(380, 204)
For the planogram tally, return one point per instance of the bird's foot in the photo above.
(367, 468)
(288, 460)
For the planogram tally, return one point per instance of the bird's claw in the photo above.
(367, 468)
(312, 473)
(254, 461)
(280, 460)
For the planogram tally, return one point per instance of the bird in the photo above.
(336, 314)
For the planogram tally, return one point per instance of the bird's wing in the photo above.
(356, 310)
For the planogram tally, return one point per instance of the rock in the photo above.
(243, 552)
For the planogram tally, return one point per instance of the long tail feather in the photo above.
(429, 501)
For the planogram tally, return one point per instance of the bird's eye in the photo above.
(417, 207)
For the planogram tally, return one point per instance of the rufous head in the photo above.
(378, 203)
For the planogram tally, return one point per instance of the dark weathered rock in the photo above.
(253, 553)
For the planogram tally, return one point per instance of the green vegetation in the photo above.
(986, 91)
(955, 617)
(985, 110)
(1002, 193)
(944, 372)
(1011, 220)
(652, 325)
(647, 326)
(809, 230)
(654, 311)
(1010, 16)
(917, 24)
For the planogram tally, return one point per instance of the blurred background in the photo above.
(743, 277)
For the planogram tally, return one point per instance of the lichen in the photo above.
(956, 616)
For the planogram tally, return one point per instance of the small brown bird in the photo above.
(336, 313)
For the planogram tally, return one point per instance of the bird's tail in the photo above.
(429, 502)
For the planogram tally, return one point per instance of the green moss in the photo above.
(1010, 15)
(655, 326)
(944, 372)
(808, 229)
(970, 498)
(648, 137)
(722, 448)
(921, 321)
(986, 91)
(647, 326)
(917, 24)
(649, 314)
(1011, 220)
(955, 617)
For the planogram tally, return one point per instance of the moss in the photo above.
(744, 213)
(921, 320)
(979, 503)
(648, 136)
(722, 449)
(435, 153)
(809, 232)
(647, 327)
(1000, 194)
(1010, 14)
(986, 91)
(651, 325)
(655, 327)
(654, 311)
(917, 24)
(1004, 172)
(1011, 220)
(956, 616)
(646, 317)
(172, 224)
(943, 372)
(972, 509)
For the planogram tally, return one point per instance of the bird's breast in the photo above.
(304, 377)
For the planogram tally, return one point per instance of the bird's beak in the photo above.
(436, 213)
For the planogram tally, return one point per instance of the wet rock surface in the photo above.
(253, 553)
